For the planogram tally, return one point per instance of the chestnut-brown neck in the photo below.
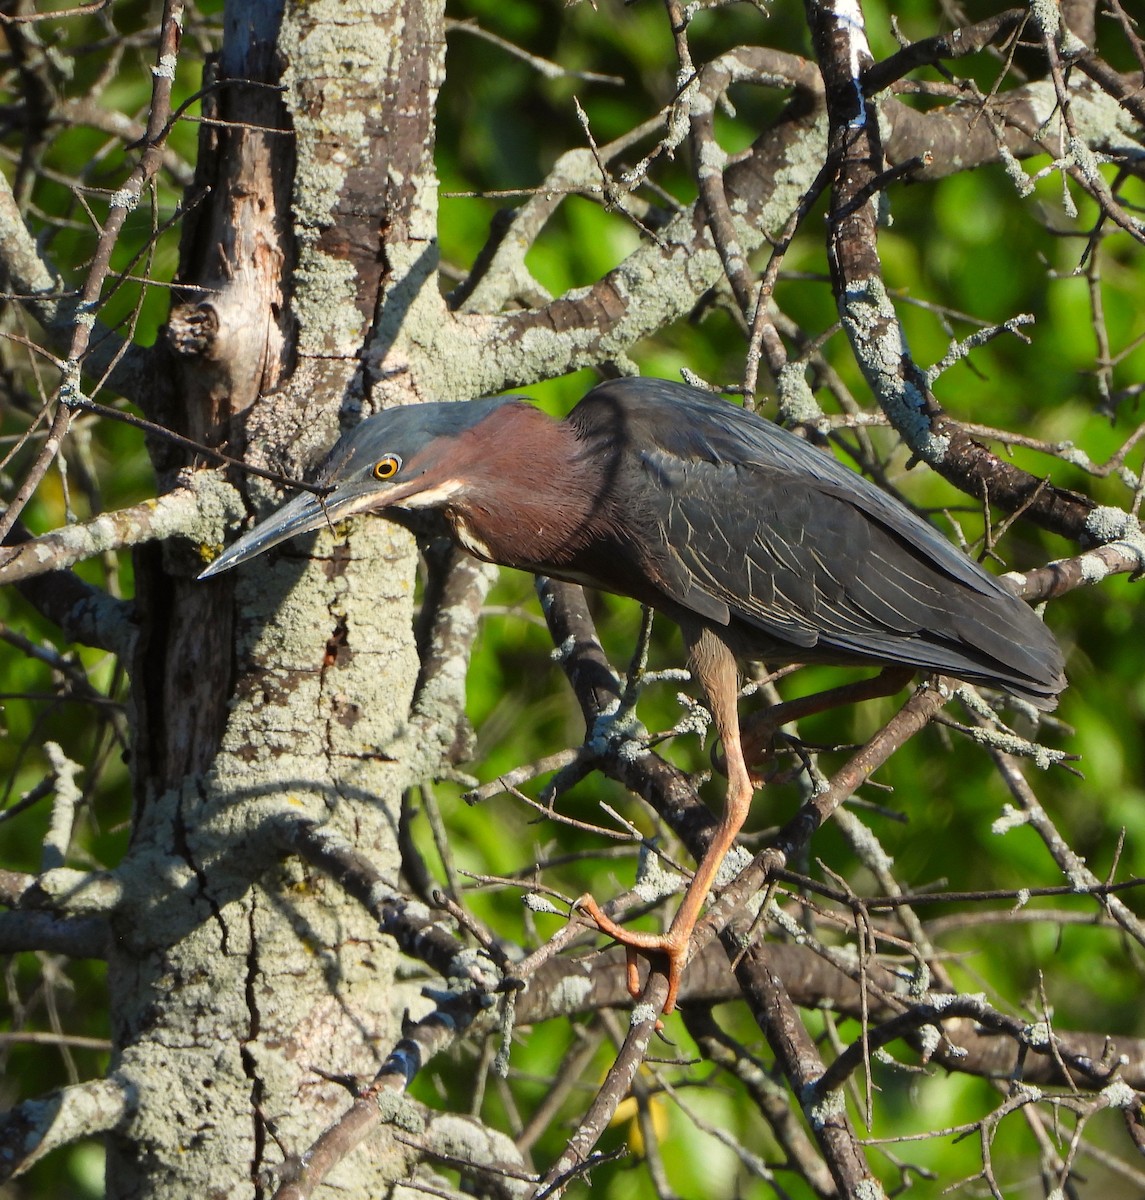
(531, 497)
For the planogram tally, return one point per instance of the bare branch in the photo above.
(203, 507)
(37, 1127)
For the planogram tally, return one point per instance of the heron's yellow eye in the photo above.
(388, 467)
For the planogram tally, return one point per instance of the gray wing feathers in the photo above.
(829, 567)
(824, 574)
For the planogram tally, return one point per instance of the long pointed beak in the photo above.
(300, 515)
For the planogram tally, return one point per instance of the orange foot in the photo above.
(672, 945)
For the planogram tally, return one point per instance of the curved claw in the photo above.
(672, 946)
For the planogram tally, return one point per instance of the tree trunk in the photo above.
(245, 985)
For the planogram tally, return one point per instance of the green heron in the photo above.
(757, 544)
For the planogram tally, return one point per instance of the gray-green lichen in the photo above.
(654, 881)
(80, 892)
(820, 1109)
(399, 1110)
(873, 327)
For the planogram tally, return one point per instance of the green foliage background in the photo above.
(965, 245)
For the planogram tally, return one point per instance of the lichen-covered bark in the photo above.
(243, 981)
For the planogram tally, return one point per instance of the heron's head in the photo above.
(417, 456)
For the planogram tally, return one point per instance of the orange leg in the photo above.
(713, 665)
